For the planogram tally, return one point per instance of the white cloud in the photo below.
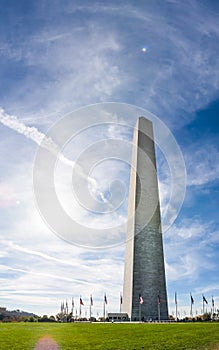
(78, 65)
(202, 165)
(47, 272)
(186, 245)
(91, 64)
(7, 196)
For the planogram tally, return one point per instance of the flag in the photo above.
(62, 307)
(140, 299)
(105, 299)
(121, 299)
(212, 302)
(204, 299)
(192, 300)
(175, 298)
(91, 300)
(66, 305)
(81, 302)
(158, 299)
(72, 302)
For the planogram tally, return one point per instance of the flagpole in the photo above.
(212, 302)
(192, 301)
(158, 312)
(104, 311)
(139, 312)
(140, 300)
(176, 305)
(176, 314)
(203, 305)
(80, 308)
(158, 305)
(66, 310)
(212, 308)
(191, 309)
(213, 305)
(91, 301)
(72, 308)
(104, 306)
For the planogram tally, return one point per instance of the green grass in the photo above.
(24, 336)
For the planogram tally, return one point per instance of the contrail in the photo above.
(34, 134)
(42, 140)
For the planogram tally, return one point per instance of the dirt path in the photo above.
(46, 343)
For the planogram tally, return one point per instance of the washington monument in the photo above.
(144, 290)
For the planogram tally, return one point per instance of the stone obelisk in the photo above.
(144, 275)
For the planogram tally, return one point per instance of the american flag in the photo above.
(204, 299)
(140, 299)
(212, 301)
(158, 299)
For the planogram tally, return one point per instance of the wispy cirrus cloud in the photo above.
(186, 243)
(43, 272)
(78, 65)
(101, 61)
(202, 165)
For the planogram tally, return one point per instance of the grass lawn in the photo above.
(24, 336)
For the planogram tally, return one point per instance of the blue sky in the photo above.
(58, 56)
